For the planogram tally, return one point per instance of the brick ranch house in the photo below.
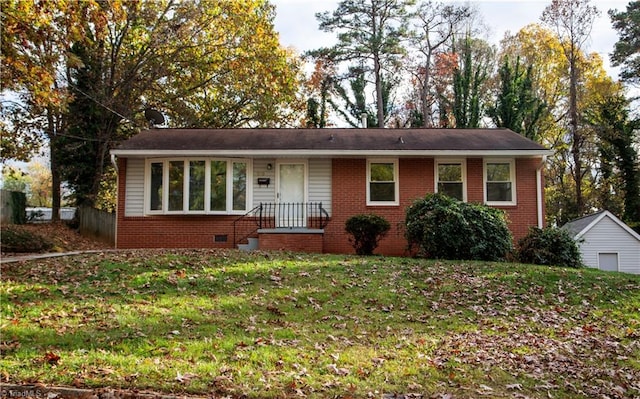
(293, 189)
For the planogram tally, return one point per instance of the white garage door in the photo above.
(608, 261)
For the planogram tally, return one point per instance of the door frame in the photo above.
(305, 188)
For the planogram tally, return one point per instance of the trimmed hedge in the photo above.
(366, 231)
(549, 246)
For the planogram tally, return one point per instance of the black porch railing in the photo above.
(285, 215)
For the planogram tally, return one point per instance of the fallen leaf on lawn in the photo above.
(377, 361)
(51, 358)
(515, 386)
(186, 377)
(485, 387)
(338, 371)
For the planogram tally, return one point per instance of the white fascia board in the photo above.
(613, 217)
(330, 153)
(588, 227)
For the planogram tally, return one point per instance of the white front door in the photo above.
(291, 194)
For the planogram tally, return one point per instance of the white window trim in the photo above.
(147, 185)
(512, 179)
(463, 163)
(207, 188)
(396, 182)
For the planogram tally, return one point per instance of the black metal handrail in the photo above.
(290, 215)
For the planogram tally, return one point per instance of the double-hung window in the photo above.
(450, 179)
(382, 182)
(197, 186)
(500, 182)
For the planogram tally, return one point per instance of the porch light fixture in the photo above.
(269, 166)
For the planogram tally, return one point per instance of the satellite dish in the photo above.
(154, 117)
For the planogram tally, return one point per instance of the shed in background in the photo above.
(606, 242)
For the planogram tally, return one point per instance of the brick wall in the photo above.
(416, 179)
(169, 231)
(298, 242)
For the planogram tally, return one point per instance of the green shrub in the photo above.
(16, 239)
(366, 231)
(549, 246)
(445, 228)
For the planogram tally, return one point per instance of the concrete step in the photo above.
(252, 245)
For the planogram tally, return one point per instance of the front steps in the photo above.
(252, 245)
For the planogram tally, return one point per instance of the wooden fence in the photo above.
(97, 223)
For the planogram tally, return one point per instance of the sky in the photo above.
(298, 28)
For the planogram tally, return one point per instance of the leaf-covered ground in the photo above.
(62, 237)
(228, 323)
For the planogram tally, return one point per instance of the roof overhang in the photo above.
(579, 235)
(123, 153)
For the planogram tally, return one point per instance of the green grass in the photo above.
(292, 325)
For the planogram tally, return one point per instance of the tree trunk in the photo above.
(425, 105)
(55, 172)
(379, 99)
(576, 136)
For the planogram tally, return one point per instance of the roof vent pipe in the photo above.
(363, 120)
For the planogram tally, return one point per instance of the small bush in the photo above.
(15, 239)
(445, 228)
(366, 232)
(549, 246)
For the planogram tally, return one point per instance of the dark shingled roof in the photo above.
(575, 226)
(326, 140)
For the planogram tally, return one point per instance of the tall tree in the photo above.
(351, 102)
(36, 39)
(617, 134)
(541, 48)
(573, 21)
(369, 32)
(320, 87)
(435, 26)
(207, 63)
(469, 78)
(516, 105)
(627, 49)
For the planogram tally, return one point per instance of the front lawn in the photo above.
(293, 325)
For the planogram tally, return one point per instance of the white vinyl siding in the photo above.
(319, 185)
(607, 236)
(265, 194)
(320, 182)
(134, 197)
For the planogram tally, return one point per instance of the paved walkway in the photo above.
(22, 258)
(39, 391)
